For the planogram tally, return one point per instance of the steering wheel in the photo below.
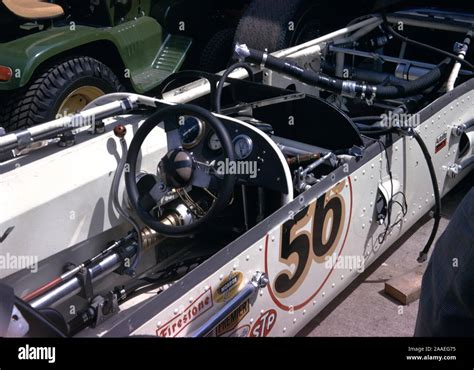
(179, 169)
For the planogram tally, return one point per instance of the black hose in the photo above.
(437, 212)
(224, 78)
(366, 118)
(395, 34)
(412, 87)
(340, 86)
(377, 131)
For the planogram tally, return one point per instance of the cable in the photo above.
(437, 213)
(118, 206)
(390, 30)
(224, 78)
(389, 208)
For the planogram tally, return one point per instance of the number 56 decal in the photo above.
(295, 261)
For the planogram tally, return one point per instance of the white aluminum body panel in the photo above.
(58, 200)
(273, 314)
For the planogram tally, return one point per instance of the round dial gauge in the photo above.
(214, 143)
(191, 130)
(243, 146)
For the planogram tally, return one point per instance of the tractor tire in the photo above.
(277, 24)
(217, 51)
(61, 89)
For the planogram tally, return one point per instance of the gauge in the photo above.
(213, 142)
(243, 146)
(191, 130)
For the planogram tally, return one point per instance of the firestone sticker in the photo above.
(176, 325)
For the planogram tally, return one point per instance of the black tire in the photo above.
(217, 52)
(266, 24)
(41, 99)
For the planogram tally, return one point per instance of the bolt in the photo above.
(120, 131)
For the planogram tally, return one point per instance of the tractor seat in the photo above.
(33, 9)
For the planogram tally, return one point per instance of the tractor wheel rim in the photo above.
(78, 99)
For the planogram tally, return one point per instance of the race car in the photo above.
(243, 203)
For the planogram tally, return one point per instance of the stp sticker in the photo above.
(229, 287)
(176, 325)
(264, 324)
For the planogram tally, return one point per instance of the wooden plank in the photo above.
(407, 287)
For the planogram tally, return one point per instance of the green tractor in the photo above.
(57, 56)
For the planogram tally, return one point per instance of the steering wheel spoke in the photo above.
(173, 136)
(201, 177)
(158, 192)
(173, 139)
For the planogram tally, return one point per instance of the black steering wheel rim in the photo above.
(227, 184)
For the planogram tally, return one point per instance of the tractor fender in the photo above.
(136, 41)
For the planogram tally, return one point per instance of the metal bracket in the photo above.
(84, 275)
(104, 307)
(264, 103)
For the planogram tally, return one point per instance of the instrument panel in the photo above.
(193, 131)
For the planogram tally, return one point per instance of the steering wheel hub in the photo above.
(176, 168)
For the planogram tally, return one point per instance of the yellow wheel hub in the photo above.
(78, 99)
